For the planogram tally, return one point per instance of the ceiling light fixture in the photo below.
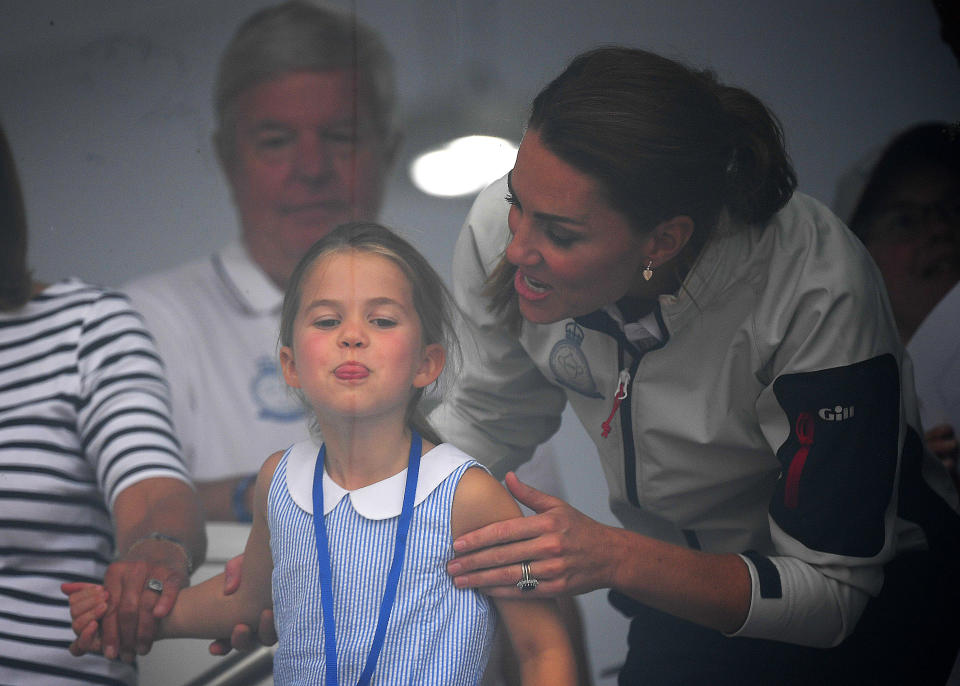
(463, 166)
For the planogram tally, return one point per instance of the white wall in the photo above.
(107, 105)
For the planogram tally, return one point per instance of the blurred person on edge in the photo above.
(908, 217)
(92, 485)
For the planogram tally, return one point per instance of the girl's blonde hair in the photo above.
(431, 299)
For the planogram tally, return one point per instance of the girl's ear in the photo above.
(289, 367)
(434, 357)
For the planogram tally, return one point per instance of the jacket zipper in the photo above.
(621, 402)
(623, 385)
(629, 451)
(601, 322)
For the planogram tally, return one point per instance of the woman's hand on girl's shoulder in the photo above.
(566, 551)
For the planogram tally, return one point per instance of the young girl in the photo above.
(360, 530)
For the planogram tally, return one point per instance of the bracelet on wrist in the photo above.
(158, 536)
(241, 512)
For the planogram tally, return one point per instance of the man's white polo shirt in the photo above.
(216, 325)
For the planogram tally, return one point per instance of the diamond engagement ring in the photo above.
(527, 582)
(155, 585)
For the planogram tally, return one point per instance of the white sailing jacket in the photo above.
(771, 416)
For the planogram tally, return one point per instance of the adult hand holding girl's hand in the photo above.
(568, 552)
(128, 622)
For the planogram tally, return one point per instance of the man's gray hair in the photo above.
(303, 36)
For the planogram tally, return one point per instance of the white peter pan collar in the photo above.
(380, 500)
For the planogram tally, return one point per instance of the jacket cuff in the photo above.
(792, 602)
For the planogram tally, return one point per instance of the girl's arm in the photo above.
(203, 611)
(540, 641)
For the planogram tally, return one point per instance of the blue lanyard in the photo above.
(393, 578)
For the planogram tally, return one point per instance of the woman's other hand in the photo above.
(568, 552)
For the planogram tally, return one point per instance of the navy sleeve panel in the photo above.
(770, 586)
(840, 458)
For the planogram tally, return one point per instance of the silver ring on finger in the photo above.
(527, 582)
(154, 585)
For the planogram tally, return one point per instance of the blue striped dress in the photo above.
(437, 634)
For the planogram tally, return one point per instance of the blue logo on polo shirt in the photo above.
(275, 400)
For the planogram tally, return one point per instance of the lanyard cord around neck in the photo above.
(393, 577)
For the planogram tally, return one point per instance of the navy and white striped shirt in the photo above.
(437, 634)
(84, 414)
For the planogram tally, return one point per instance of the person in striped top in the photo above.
(355, 535)
(92, 486)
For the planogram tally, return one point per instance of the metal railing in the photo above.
(241, 669)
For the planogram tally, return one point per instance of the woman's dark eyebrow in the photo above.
(559, 218)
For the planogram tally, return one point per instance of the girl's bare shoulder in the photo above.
(480, 500)
(269, 466)
(264, 479)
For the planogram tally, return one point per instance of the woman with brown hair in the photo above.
(729, 347)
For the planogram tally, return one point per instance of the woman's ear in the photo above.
(668, 239)
(434, 357)
(289, 367)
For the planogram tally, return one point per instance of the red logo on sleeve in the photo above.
(804, 430)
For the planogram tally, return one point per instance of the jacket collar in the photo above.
(720, 260)
(648, 333)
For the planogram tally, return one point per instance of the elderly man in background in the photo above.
(305, 135)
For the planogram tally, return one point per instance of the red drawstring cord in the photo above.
(804, 428)
(622, 385)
